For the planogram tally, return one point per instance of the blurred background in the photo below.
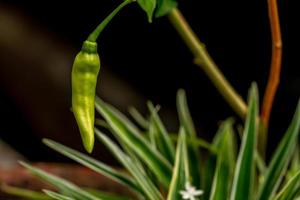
(140, 61)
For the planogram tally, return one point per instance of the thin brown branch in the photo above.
(275, 69)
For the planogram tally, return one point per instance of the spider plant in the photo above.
(158, 166)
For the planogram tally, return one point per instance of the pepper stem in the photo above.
(95, 34)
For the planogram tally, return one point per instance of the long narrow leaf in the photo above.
(295, 163)
(211, 163)
(57, 196)
(145, 183)
(106, 195)
(138, 117)
(164, 141)
(188, 124)
(184, 114)
(63, 185)
(128, 134)
(93, 164)
(152, 133)
(180, 171)
(287, 191)
(281, 159)
(225, 164)
(23, 193)
(244, 170)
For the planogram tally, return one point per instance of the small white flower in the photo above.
(190, 192)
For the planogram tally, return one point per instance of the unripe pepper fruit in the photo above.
(85, 71)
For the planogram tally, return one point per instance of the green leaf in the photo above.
(152, 133)
(295, 163)
(23, 193)
(57, 196)
(124, 131)
(260, 163)
(210, 164)
(181, 169)
(225, 164)
(184, 114)
(281, 158)
(188, 124)
(141, 178)
(138, 117)
(198, 142)
(148, 6)
(163, 142)
(93, 164)
(106, 195)
(63, 185)
(290, 188)
(164, 7)
(208, 175)
(244, 171)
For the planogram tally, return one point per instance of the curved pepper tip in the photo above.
(88, 144)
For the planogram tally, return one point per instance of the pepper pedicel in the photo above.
(85, 72)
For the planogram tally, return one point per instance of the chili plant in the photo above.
(161, 165)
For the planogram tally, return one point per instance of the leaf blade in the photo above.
(145, 183)
(180, 170)
(188, 124)
(93, 164)
(60, 183)
(281, 158)
(148, 6)
(57, 196)
(225, 164)
(289, 188)
(130, 136)
(244, 172)
(163, 141)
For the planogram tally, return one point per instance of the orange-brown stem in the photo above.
(275, 68)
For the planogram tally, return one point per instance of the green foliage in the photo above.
(93, 164)
(64, 186)
(242, 187)
(281, 159)
(24, 193)
(160, 165)
(163, 140)
(148, 6)
(181, 173)
(128, 134)
(290, 190)
(225, 163)
(187, 123)
(164, 7)
(158, 7)
(154, 174)
(57, 196)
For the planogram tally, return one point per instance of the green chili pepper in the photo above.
(84, 79)
(85, 71)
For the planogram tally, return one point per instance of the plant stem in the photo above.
(274, 75)
(275, 69)
(95, 34)
(203, 59)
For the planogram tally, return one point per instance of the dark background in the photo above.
(139, 61)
